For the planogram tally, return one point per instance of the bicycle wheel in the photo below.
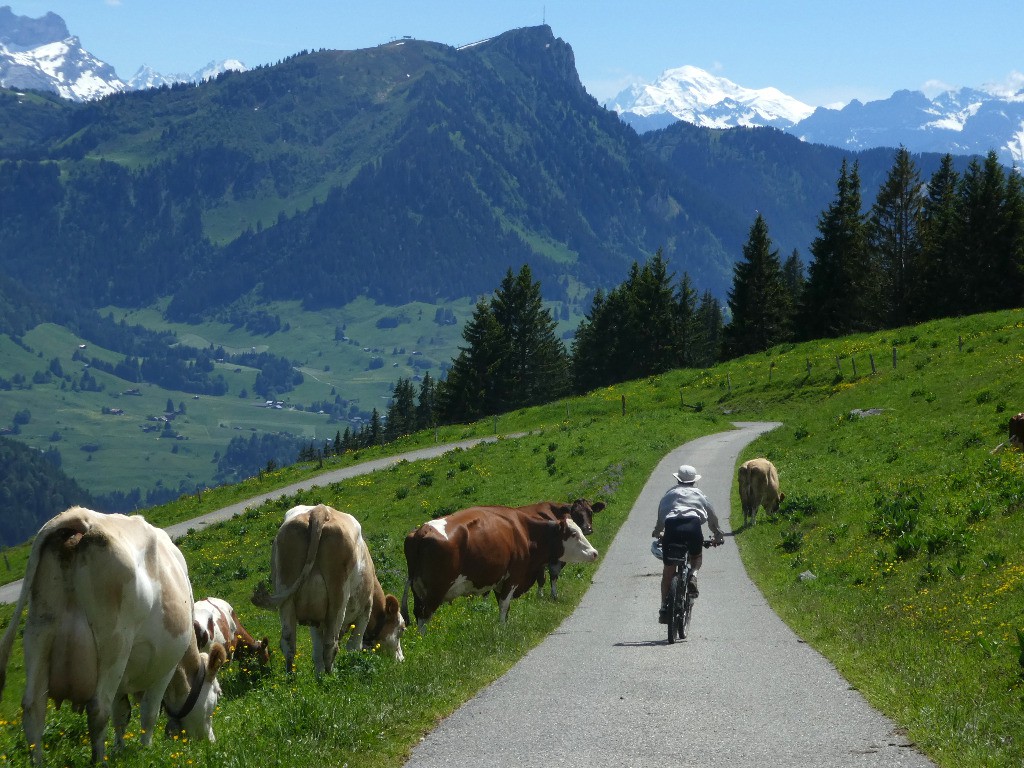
(673, 608)
(685, 604)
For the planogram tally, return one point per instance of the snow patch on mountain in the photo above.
(692, 94)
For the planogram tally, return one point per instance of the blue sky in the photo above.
(819, 51)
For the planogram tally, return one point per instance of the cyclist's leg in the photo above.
(695, 549)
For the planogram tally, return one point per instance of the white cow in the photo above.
(109, 618)
(323, 577)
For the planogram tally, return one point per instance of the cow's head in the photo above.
(259, 650)
(195, 717)
(582, 513)
(385, 629)
(575, 547)
(204, 634)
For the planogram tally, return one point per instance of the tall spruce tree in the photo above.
(841, 293)
(686, 321)
(758, 300)
(426, 403)
(937, 291)
(469, 391)
(895, 237)
(708, 325)
(651, 323)
(533, 366)
(985, 249)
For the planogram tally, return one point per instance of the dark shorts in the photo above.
(682, 534)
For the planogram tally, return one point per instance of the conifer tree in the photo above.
(426, 404)
(758, 301)
(840, 296)
(651, 329)
(686, 321)
(401, 413)
(469, 391)
(533, 366)
(707, 345)
(937, 291)
(987, 253)
(895, 237)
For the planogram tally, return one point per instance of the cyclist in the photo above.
(688, 509)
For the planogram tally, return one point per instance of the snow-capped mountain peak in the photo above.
(40, 54)
(692, 94)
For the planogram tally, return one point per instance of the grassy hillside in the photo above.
(910, 526)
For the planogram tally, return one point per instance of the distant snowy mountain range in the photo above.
(967, 121)
(41, 54)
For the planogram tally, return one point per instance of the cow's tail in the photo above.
(72, 528)
(317, 520)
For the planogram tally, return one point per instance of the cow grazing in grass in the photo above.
(759, 487)
(324, 578)
(110, 618)
(475, 551)
(215, 621)
(580, 511)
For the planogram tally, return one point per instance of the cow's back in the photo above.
(340, 558)
(102, 582)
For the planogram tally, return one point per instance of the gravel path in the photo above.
(606, 689)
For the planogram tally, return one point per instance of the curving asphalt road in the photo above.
(606, 689)
(9, 592)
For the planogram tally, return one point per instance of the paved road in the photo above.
(9, 592)
(607, 689)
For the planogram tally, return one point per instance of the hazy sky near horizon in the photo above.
(819, 51)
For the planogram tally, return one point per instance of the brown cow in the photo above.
(474, 551)
(759, 487)
(324, 578)
(110, 618)
(581, 511)
(1016, 430)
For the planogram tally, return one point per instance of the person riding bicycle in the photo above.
(687, 509)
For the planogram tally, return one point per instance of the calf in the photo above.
(215, 621)
(475, 551)
(759, 487)
(110, 617)
(324, 578)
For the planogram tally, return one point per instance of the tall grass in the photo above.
(910, 527)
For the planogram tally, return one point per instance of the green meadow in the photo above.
(895, 503)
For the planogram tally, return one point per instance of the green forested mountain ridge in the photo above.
(410, 171)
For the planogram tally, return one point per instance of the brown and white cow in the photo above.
(580, 511)
(475, 551)
(109, 618)
(759, 487)
(324, 578)
(215, 621)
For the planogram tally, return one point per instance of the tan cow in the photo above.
(110, 618)
(324, 578)
(759, 487)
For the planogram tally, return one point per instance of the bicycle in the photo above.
(680, 602)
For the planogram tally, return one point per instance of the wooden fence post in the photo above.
(853, 360)
(839, 367)
(808, 367)
(871, 357)
(894, 357)
(623, 405)
(729, 375)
